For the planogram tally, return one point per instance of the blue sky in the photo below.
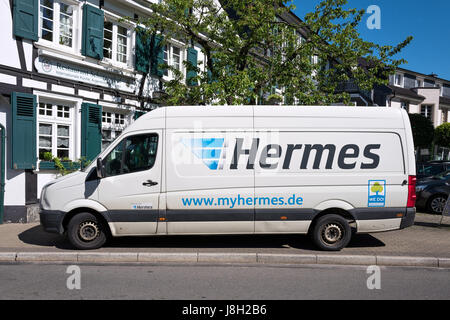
(427, 21)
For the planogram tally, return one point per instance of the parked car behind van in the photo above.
(431, 168)
(432, 192)
(243, 170)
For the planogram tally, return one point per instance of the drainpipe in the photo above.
(2, 172)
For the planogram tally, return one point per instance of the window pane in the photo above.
(119, 118)
(65, 8)
(47, 13)
(45, 142)
(65, 25)
(122, 44)
(63, 153)
(63, 111)
(47, 3)
(107, 37)
(106, 134)
(63, 143)
(45, 109)
(42, 151)
(45, 129)
(113, 161)
(47, 35)
(140, 153)
(176, 57)
(46, 18)
(105, 144)
(63, 131)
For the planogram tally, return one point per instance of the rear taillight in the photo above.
(411, 192)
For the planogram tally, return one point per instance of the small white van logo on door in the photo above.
(142, 206)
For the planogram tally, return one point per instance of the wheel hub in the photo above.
(88, 231)
(438, 204)
(332, 233)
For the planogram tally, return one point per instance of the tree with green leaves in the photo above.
(442, 135)
(249, 50)
(423, 130)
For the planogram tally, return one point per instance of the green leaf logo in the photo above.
(377, 188)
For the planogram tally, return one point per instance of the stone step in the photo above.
(33, 212)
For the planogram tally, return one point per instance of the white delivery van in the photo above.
(324, 171)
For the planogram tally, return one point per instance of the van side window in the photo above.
(132, 154)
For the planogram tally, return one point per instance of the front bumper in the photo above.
(408, 219)
(51, 220)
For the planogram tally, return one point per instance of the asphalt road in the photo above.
(164, 282)
(425, 238)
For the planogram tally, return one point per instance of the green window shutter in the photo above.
(91, 130)
(23, 140)
(142, 62)
(92, 37)
(157, 56)
(137, 114)
(25, 19)
(192, 60)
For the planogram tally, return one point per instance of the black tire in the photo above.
(436, 203)
(331, 232)
(86, 232)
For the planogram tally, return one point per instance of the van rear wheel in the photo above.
(331, 232)
(86, 232)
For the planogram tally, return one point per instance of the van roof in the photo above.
(316, 111)
(350, 117)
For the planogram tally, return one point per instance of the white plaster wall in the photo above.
(432, 98)
(9, 55)
(28, 52)
(414, 108)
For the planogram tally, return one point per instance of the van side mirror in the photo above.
(99, 168)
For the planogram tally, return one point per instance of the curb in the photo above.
(223, 258)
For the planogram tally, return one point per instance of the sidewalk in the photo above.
(423, 244)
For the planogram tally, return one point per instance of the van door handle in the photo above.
(149, 183)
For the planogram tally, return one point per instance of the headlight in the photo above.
(420, 188)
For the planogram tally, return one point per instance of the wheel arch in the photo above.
(346, 214)
(99, 215)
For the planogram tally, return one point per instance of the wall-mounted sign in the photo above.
(72, 71)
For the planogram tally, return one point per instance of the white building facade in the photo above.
(70, 73)
(428, 95)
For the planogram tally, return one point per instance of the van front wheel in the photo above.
(86, 232)
(331, 232)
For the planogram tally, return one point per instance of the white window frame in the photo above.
(170, 60)
(76, 25)
(402, 80)
(75, 137)
(54, 121)
(426, 115)
(419, 83)
(116, 129)
(115, 24)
